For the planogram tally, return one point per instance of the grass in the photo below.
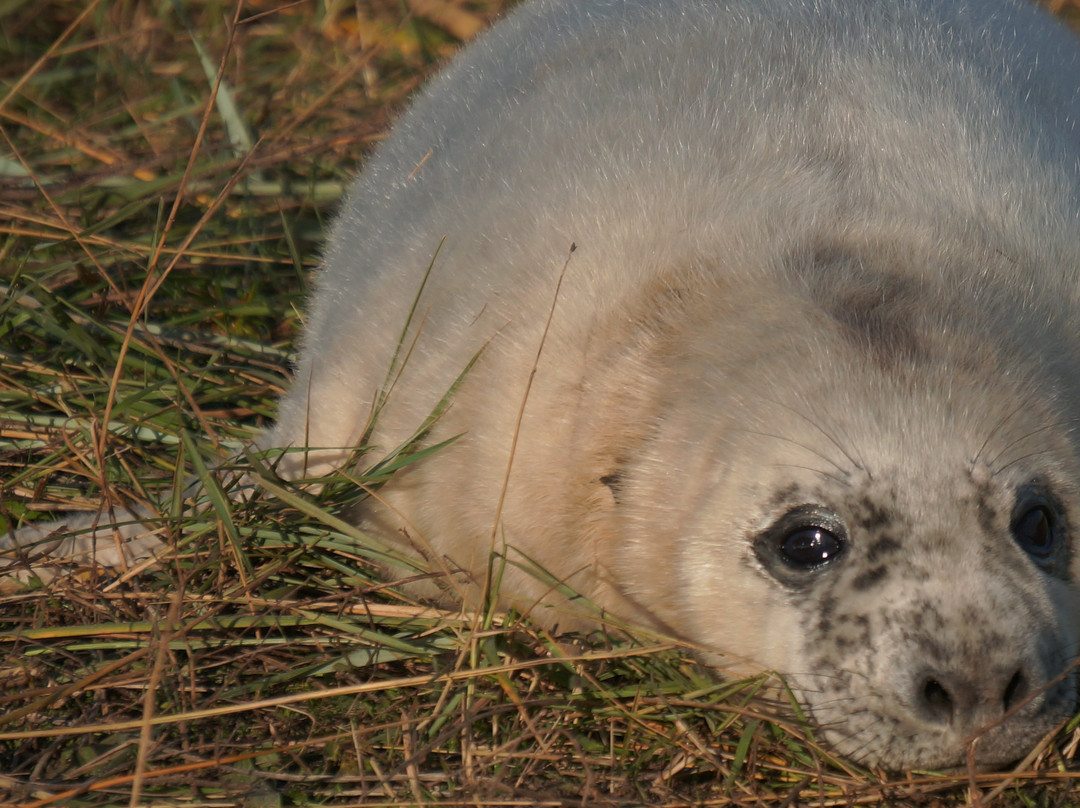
(264, 662)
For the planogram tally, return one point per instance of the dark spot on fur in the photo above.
(844, 618)
(987, 515)
(825, 616)
(918, 621)
(853, 625)
(885, 545)
(876, 306)
(864, 631)
(918, 575)
(867, 579)
(784, 496)
(869, 514)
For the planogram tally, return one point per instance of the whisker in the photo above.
(857, 463)
(844, 481)
(1000, 425)
(1067, 425)
(794, 442)
(1020, 459)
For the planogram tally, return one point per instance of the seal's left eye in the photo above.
(1036, 531)
(801, 544)
(809, 547)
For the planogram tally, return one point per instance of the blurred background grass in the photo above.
(166, 171)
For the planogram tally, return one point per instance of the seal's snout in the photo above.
(969, 700)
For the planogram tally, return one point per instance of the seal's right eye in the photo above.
(1040, 528)
(801, 542)
(1034, 532)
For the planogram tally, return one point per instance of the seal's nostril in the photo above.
(1015, 691)
(937, 701)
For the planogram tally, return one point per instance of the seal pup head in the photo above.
(877, 496)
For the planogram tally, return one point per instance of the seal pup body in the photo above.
(809, 392)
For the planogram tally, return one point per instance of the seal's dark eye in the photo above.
(809, 547)
(1036, 531)
(800, 543)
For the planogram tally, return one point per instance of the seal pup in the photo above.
(808, 393)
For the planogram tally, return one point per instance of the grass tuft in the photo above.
(166, 171)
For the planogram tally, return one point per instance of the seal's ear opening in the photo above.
(614, 483)
(622, 388)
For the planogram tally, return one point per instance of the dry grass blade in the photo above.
(264, 660)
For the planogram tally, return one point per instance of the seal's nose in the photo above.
(967, 701)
